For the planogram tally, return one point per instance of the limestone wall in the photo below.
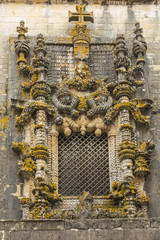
(52, 20)
(81, 230)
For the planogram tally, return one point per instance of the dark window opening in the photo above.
(83, 165)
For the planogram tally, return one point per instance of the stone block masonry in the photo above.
(116, 229)
(52, 20)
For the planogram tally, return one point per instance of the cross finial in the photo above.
(80, 16)
(22, 29)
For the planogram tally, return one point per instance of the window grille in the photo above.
(83, 165)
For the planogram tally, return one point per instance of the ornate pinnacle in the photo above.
(21, 45)
(120, 44)
(121, 61)
(40, 59)
(40, 63)
(22, 30)
(138, 30)
(139, 46)
(40, 50)
(40, 40)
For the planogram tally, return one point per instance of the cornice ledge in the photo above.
(100, 2)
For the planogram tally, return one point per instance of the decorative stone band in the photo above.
(124, 88)
(126, 126)
(40, 88)
(127, 150)
(40, 152)
(21, 47)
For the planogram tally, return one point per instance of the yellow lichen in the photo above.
(135, 111)
(4, 123)
(82, 107)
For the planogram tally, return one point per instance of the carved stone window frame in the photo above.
(103, 107)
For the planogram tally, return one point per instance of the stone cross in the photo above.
(80, 16)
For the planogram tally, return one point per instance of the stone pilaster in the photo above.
(112, 158)
(54, 163)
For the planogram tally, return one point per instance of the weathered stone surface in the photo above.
(107, 234)
(1, 234)
(46, 230)
(106, 2)
(140, 234)
(20, 235)
(53, 21)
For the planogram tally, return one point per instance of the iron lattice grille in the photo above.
(83, 165)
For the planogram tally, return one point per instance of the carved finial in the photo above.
(139, 46)
(40, 61)
(21, 46)
(120, 44)
(80, 16)
(40, 40)
(138, 29)
(121, 61)
(22, 30)
(40, 50)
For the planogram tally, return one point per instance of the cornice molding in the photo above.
(101, 2)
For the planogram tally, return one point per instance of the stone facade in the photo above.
(81, 230)
(52, 21)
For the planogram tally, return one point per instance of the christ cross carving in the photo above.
(80, 16)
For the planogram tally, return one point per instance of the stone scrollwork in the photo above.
(82, 105)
